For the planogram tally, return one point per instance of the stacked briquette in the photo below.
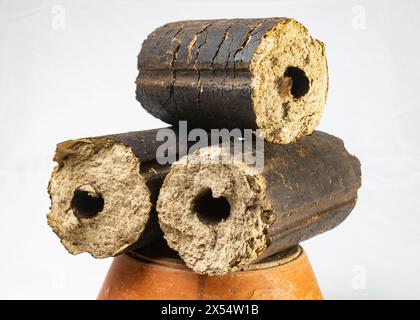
(265, 74)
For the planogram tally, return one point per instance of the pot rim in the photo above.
(276, 260)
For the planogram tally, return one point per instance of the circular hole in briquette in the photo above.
(300, 82)
(211, 210)
(86, 206)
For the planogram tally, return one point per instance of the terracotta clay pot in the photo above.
(160, 276)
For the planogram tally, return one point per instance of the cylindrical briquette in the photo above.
(103, 192)
(235, 73)
(104, 189)
(221, 217)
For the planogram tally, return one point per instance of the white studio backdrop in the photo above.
(67, 70)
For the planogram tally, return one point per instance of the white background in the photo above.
(60, 83)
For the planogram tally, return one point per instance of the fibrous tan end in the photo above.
(100, 203)
(289, 82)
(215, 215)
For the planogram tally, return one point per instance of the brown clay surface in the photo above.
(289, 276)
